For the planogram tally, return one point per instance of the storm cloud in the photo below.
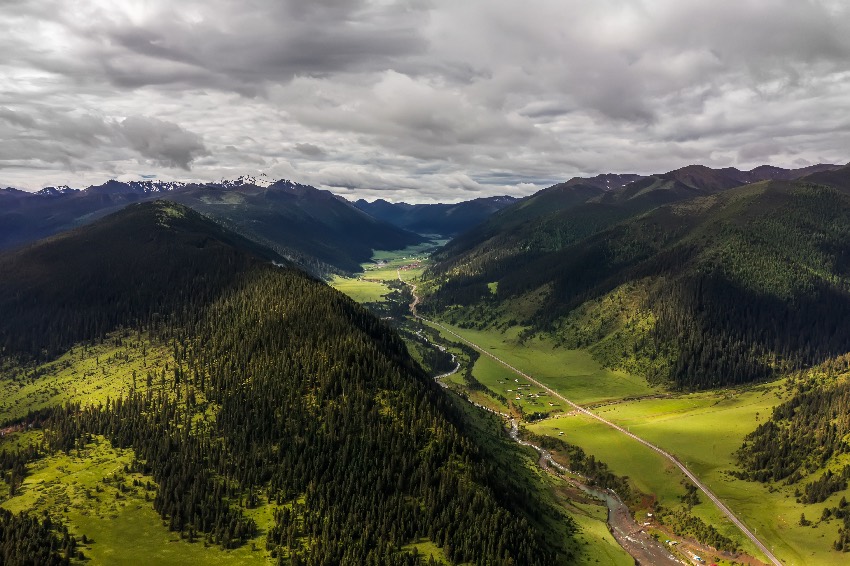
(421, 100)
(81, 140)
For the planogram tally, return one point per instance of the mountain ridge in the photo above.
(778, 246)
(314, 228)
(275, 392)
(440, 218)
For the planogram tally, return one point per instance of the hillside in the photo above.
(299, 221)
(311, 227)
(242, 403)
(439, 219)
(136, 267)
(563, 214)
(699, 294)
(804, 444)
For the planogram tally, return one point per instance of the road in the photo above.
(696, 481)
(628, 534)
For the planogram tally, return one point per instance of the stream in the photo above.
(632, 537)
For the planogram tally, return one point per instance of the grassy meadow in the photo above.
(572, 373)
(89, 489)
(703, 429)
(86, 373)
(92, 493)
(359, 289)
(368, 286)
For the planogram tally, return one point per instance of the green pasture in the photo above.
(418, 251)
(704, 430)
(90, 492)
(503, 381)
(596, 544)
(648, 471)
(86, 374)
(386, 263)
(572, 373)
(359, 289)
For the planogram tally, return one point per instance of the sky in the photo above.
(423, 101)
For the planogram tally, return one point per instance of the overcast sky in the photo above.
(417, 100)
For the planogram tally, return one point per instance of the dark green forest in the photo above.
(283, 392)
(805, 439)
(742, 284)
(309, 226)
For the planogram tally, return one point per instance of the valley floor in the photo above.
(703, 430)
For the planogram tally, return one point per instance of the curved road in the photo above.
(696, 481)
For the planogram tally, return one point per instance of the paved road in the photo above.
(696, 481)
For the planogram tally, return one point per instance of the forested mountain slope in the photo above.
(313, 228)
(724, 288)
(136, 268)
(442, 219)
(278, 393)
(565, 213)
(805, 443)
(299, 221)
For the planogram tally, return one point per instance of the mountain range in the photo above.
(713, 272)
(436, 219)
(167, 337)
(311, 227)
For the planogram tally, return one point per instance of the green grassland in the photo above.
(86, 373)
(648, 472)
(90, 491)
(561, 505)
(386, 263)
(418, 251)
(503, 381)
(597, 545)
(359, 289)
(572, 373)
(367, 286)
(704, 430)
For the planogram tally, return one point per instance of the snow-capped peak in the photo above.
(55, 191)
(262, 180)
(156, 186)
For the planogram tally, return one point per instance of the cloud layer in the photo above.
(421, 100)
